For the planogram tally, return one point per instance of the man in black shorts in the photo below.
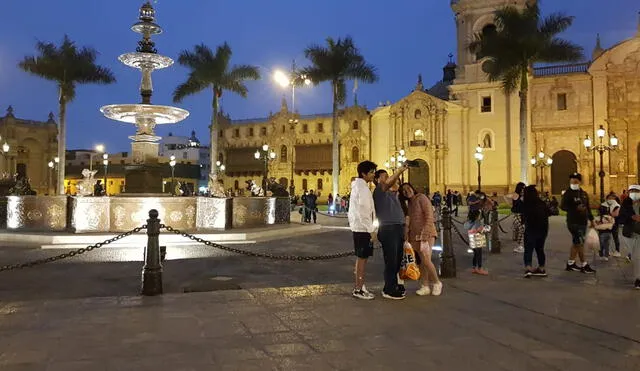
(361, 215)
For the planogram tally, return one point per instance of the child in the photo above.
(604, 226)
(477, 240)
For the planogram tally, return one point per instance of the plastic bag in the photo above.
(409, 269)
(592, 240)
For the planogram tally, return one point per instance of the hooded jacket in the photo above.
(361, 208)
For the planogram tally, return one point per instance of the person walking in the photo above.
(630, 220)
(575, 202)
(535, 218)
(421, 234)
(391, 229)
(361, 216)
(516, 210)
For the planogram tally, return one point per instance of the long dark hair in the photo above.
(530, 195)
(404, 201)
(519, 188)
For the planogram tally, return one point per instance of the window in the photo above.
(250, 132)
(220, 157)
(417, 114)
(320, 127)
(418, 134)
(305, 129)
(485, 104)
(283, 129)
(355, 154)
(236, 133)
(319, 184)
(283, 154)
(221, 134)
(304, 184)
(355, 125)
(562, 102)
(263, 131)
(185, 155)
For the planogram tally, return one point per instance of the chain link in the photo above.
(71, 254)
(257, 254)
(466, 242)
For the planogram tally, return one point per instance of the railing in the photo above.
(561, 70)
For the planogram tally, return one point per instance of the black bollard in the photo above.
(152, 270)
(448, 266)
(495, 233)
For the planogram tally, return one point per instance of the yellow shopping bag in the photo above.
(409, 269)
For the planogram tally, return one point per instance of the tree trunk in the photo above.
(335, 149)
(524, 143)
(213, 136)
(62, 142)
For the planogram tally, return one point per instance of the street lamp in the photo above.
(51, 164)
(292, 79)
(396, 161)
(265, 155)
(105, 163)
(601, 148)
(99, 149)
(172, 163)
(479, 156)
(5, 152)
(539, 162)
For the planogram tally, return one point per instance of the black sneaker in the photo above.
(539, 272)
(394, 295)
(573, 268)
(402, 289)
(637, 285)
(587, 269)
(528, 273)
(361, 294)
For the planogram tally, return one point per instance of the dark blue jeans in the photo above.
(534, 240)
(391, 238)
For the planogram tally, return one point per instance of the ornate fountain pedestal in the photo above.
(123, 213)
(143, 178)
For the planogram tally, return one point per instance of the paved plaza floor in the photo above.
(244, 313)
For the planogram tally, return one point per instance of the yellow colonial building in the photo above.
(32, 144)
(441, 126)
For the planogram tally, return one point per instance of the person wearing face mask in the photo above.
(630, 219)
(575, 202)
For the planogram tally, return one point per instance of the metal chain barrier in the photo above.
(257, 254)
(71, 254)
(466, 242)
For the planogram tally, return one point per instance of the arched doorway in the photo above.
(419, 176)
(564, 164)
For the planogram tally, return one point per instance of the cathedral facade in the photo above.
(442, 126)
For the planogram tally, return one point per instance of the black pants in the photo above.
(392, 239)
(477, 258)
(534, 240)
(616, 237)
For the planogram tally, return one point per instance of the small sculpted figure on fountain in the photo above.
(216, 187)
(254, 188)
(276, 189)
(86, 185)
(22, 187)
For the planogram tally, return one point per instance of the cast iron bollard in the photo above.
(495, 232)
(448, 267)
(152, 270)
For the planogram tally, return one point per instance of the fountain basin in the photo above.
(145, 60)
(135, 113)
(123, 213)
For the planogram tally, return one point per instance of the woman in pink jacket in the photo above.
(421, 234)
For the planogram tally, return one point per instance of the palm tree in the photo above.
(520, 39)
(68, 65)
(338, 61)
(212, 71)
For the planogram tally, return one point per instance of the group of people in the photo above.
(403, 215)
(338, 204)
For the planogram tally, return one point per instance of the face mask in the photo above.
(634, 196)
(574, 187)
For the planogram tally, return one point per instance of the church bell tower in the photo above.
(473, 17)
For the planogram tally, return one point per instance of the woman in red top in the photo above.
(421, 233)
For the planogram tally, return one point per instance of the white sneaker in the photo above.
(364, 288)
(437, 289)
(518, 249)
(360, 294)
(616, 254)
(424, 291)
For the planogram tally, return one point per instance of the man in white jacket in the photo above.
(361, 216)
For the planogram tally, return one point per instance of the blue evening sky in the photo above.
(401, 38)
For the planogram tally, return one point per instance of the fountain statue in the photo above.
(145, 174)
(85, 186)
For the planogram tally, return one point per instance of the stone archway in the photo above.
(419, 176)
(564, 164)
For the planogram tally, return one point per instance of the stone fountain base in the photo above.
(123, 213)
(143, 178)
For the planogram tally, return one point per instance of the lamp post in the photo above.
(539, 162)
(172, 163)
(265, 155)
(601, 148)
(5, 154)
(396, 161)
(51, 165)
(105, 163)
(479, 156)
(99, 149)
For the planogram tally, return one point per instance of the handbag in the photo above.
(408, 268)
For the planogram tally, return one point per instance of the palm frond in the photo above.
(555, 23)
(192, 86)
(362, 72)
(244, 72)
(559, 50)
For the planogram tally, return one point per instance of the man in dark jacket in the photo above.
(575, 202)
